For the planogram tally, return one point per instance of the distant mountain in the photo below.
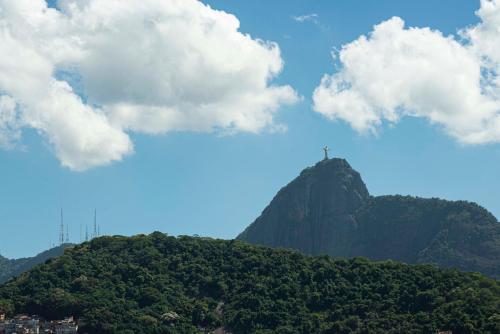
(13, 268)
(160, 284)
(327, 210)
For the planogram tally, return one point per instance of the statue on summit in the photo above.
(326, 149)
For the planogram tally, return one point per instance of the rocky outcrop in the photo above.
(314, 213)
(327, 210)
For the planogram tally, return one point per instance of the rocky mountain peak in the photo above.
(304, 214)
(328, 210)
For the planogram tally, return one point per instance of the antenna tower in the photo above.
(61, 231)
(95, 235)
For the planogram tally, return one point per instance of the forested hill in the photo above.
(161, 284)
(327, 210)
(13, 268)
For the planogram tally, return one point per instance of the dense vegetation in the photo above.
(455, 234)
(13, 268)
(161, 284)
(327, 209)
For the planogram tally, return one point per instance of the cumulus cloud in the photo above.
(397, 71)
(150, 66)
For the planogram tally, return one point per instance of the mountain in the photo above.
(13, 268)
(327, 210)
(162, 284)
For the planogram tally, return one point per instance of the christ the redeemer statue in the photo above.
(326, 149)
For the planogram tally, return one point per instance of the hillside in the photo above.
(13, 268)
(161, 284)
(327, 210)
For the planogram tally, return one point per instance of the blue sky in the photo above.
(215, 185)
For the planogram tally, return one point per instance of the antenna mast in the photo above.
(61, 232)
(95, 235)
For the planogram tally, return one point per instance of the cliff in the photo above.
(327, 210)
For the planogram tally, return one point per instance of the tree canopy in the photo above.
(162, 284)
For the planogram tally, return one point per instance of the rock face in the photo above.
(314, 213)
(328, 210)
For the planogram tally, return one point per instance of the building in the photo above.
(23, 324)
(66, 326)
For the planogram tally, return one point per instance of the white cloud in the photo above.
(82, 136)
(151, 66)
(307, 17)
(397, 71)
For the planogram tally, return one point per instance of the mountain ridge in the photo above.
(10, 268)
(327, 209)
(163, 284)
